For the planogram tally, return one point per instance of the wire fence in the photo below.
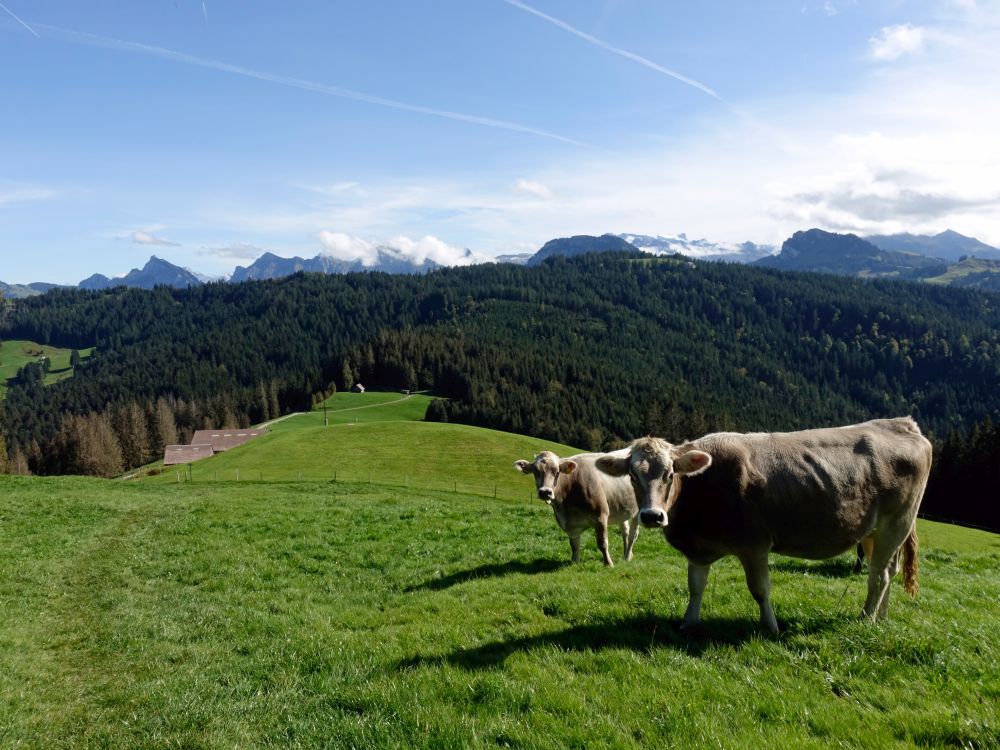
(376, 478)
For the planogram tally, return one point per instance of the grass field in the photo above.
(319, 615)
(360, 408)
(16, 354)
(425, 454)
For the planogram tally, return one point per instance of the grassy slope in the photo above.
(351, 408)
(330, 615)
(16, 354)
(477, 459)
(965, 268)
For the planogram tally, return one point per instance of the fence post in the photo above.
(178, 477)
(335, 476)
(237, 475)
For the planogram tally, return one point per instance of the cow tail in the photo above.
(911, 565)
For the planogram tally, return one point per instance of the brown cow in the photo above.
(810, 494)
(584, 498)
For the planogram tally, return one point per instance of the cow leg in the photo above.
(881, 568)
(601, 531)
(759, 583)
(574, 546)
(630, 530)
(697, 580)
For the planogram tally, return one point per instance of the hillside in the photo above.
(311, 614)
(971, 273)
(429, 455)
(849, 255)
(16, 354)
(585, 351)
(570, 247)
(949, 245)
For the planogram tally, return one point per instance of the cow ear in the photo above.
(616, 466)
(692, 462)
(567, 467)
(522, 466)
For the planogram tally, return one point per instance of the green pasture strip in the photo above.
(16, 354)
(430, 455)
(332, 615)
(359, 408)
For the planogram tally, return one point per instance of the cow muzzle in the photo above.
(546, 493)
(653, 518)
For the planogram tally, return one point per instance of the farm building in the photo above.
(223, 440)
(185, 454)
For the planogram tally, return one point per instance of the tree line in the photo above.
(590, 351)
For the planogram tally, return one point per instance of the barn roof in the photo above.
(222, 440)
(185, 454)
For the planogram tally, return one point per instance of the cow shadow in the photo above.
(491, 570)
(643, 634)
(836, 567)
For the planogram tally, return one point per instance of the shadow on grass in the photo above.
(837, 567)
(643, 634)
(492, 570)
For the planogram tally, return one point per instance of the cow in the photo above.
(584, 498)
(810, 494)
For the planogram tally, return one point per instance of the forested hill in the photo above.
(586, 351)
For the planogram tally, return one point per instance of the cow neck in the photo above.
(675, 490)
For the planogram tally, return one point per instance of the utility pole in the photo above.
(326, 421)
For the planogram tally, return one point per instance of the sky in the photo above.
(208, 133)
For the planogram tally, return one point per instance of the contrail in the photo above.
(298, 83)
(204, 11)
(617, 50)
(11, 14)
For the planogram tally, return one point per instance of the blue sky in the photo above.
(209, 132)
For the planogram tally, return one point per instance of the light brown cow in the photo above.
(584, 498)
(810, 494)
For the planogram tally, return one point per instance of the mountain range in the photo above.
(945, 258)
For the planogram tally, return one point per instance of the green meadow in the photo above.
(334, 614)
(376, 438)
(360, 408)
(429, 455)
(16, 354)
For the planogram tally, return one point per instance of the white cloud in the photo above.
(144, 238)
(431, 248)
(18, 193)
(537, 189)
(235, 251)
(892, 42)
(346, 247)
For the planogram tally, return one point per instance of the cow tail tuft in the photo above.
(911, 565)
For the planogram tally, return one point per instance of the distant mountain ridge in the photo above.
(903, 256)
(849, 255)
(580, 244)
(949, 245)
(156, 272)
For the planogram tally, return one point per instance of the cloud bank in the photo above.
(346, 247)
(144, 238)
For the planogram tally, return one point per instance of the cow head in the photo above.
(546, 467)
(655, 468)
